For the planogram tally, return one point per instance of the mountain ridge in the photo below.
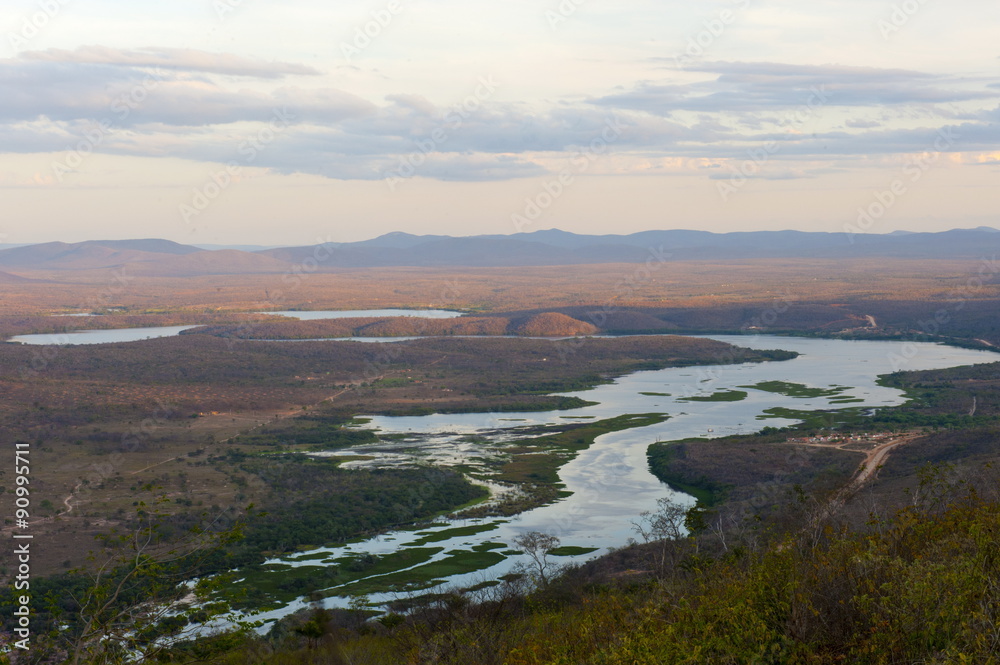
(549, 247)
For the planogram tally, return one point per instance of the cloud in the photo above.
(38, 137)
(447, 167)
(763, 86)
(127, 96)
(54, 99)
(862, 124)
(465, 168)
(949, 138)
(174, 59)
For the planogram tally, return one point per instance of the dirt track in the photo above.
(877, 457)
(874, 460)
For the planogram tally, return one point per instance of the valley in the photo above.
(378, 477)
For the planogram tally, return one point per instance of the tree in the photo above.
(537, 545)
(316, 628)
(140, 601)
(666, 526)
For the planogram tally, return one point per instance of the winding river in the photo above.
(610, 482)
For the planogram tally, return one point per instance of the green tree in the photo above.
(140, 600)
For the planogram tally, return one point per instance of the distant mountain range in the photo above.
(7, 278)
(541, 248)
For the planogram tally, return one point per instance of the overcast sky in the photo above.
(246, 121)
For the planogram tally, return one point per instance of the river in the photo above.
(610, 482)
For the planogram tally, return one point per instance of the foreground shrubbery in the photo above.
(919, 586)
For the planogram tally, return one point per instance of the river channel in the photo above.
(610, 482)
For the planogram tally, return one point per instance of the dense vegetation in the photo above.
(313, 502)
(313, 430)
(304, 503)
(752, 469)
(921, 584)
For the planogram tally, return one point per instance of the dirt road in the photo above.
(877, 457)
(874, 460)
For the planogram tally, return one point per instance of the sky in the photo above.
(253, 122)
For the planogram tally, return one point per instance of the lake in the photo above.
(611, 482)
(75, 337)
(137, 334)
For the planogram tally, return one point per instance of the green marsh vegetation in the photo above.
(914, 584)
(718, 396)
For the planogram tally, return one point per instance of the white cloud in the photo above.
(180, 86)
(128, 96)
(191, 60)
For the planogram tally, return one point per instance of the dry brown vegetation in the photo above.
(78, 403)
(904, 296)
(105, 421)
(119, 416)
(673, 284)
(548, 324)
